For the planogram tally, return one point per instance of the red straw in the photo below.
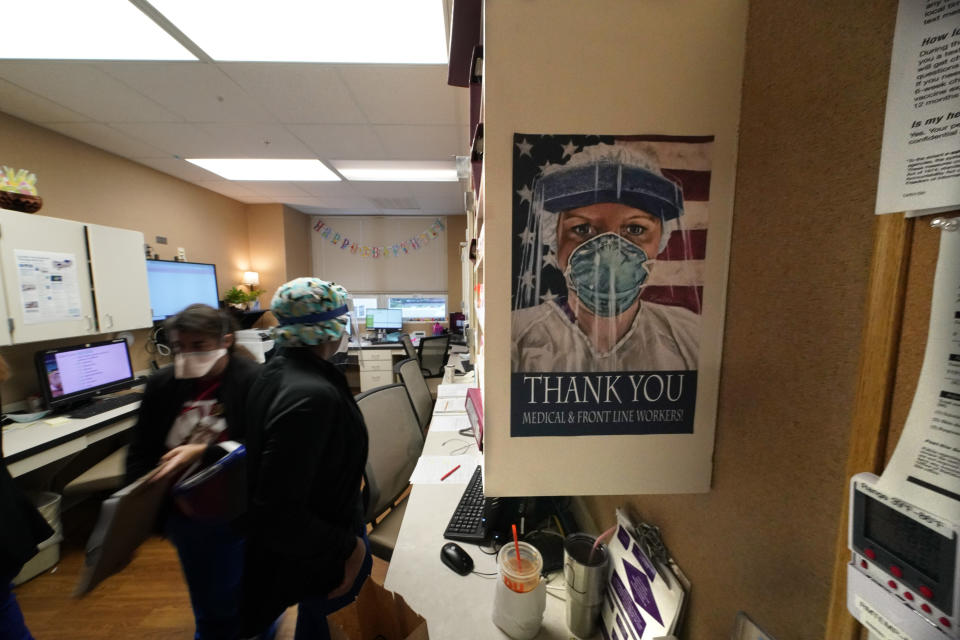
(516, 545)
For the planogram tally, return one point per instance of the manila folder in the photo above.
(127, 518)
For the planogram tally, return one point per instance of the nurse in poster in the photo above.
(609, 243)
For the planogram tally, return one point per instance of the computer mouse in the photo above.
(456, 558)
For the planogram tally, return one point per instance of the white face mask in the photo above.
(196, 364)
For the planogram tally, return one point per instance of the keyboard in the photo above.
(106, 404)
(473, 519)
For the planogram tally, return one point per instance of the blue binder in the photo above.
(218, 492)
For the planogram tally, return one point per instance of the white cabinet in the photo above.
(45, 277)
(376, 368)
(46, 266)
(119, 270)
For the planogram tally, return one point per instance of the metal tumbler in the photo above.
(585, 574)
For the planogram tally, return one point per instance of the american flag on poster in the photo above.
(609, 242)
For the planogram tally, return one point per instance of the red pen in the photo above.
(449, 473)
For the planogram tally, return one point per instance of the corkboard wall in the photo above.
(762, 540)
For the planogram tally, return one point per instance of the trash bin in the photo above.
(48, 553)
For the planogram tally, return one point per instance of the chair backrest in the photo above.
(395, 444)
(408, 346)
(412, 378)
(433, 354)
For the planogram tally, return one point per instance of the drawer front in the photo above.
(377, 365)
(372, 355)
(373, 379)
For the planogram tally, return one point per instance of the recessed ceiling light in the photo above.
(88, 30)
(367, 31)
(396, 170)
(256, 169)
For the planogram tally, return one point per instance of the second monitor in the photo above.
(384, 319)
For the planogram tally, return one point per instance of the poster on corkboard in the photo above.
(610, 236)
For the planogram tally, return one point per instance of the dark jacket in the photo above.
(306, 451)
(163, 400)
(21, 525)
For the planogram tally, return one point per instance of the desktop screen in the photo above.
(420, 308)
(76, 370)
(384, 319)
(176, 285)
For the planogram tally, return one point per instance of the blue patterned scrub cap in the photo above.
(310, 311)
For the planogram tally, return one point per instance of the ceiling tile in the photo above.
(439, 197)
(342, 189)
(404, 94)
(23, 104)
(297, 93)
(85, 89)
(339, 210)
(274, 189)
(197, 91)
(256, 200)
(180, 169)
(176, 138)
(421, 142)
(353, 141)
(347, 203)
(383, 189)
(103, 137)
(255, 141)
(229, 189)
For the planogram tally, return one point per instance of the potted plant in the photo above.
(240, 299)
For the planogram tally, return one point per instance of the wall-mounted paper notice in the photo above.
(48, 286)
(920, 160)
(925, 467)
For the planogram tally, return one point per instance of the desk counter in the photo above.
(32, 445)
(454, 606)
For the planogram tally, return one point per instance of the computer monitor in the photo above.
(70, 375)
(176, 285)
(384, 319)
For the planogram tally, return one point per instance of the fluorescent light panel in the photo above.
(87, 30)
(361, 31)
(267, 169)
(396, 170)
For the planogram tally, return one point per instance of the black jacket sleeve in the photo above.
(146, 444)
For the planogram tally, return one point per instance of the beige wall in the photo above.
(296, 243)
(80, 182)
(266, 241)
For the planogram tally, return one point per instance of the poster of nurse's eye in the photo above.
(609, 241)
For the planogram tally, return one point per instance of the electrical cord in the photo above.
(485, 576)
(463, 448)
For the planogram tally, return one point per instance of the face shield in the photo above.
(606, 271)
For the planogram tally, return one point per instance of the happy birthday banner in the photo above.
(395, 250)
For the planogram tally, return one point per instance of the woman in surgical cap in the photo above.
(306, 452)
(605, 215)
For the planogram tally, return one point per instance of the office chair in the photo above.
(395, 445)
(408, 346)
(412, 378)
(433, 355)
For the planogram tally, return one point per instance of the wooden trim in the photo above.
(871, 416)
